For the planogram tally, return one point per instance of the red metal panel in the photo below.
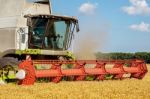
(30, 73)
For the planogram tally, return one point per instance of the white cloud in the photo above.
(143, 27)
(87, 8)
(138, 7)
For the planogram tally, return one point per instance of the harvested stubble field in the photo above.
(110, 89)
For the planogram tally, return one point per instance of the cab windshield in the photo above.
(50, 33)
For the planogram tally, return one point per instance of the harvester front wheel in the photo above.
(8, 68)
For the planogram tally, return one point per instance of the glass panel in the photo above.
(38, 32)
(60, 28)
(49, 34)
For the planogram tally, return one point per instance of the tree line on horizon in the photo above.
(123, 56)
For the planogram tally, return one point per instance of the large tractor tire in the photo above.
(8, 68)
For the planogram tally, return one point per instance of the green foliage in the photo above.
(89, 78)
(122, 56)
(143, 55)
(108, 76)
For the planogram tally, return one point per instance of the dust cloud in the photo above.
(92, 38)
(89, 42)
(85, 48)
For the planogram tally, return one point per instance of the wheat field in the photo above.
(110, 89)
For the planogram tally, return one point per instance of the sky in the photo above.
(109, 25)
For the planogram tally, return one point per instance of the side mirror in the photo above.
(77, 27)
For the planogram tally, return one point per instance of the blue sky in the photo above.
(109, 25)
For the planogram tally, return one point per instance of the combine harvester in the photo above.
(34, 45)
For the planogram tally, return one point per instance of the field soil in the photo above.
(109, 89)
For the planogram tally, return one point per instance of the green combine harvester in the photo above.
(34, 45)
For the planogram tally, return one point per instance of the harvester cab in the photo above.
(50, 32)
